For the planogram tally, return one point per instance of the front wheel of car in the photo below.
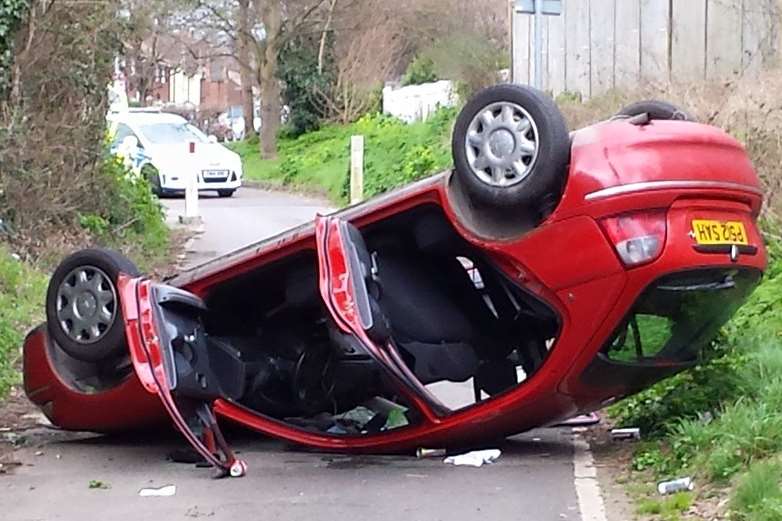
(83, 311)
(511, 148)
(151, 174)
(226, 193)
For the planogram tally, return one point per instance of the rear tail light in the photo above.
(638, 237)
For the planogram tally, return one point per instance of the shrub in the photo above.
(421, 70)
(128, 216)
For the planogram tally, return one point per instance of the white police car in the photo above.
(166, 149)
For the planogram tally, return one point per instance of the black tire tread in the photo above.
(114, 343)
(547, 179)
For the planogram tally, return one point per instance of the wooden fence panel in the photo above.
(655, 18)
(761, 34)
(628, 43)
(688, 54)
(724, 38)
(601, 41)
(557, 53)
(596, 45)
(578, 63)
(522, 50)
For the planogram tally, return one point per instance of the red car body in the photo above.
(672, 173)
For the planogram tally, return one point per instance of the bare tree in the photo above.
(148, 41)
(363, 63)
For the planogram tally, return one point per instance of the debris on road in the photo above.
(423, 453)
(676, 485)
(165, 491)
(6, 466)
(477, 458)
(626, 434)
(584, 420)
(98, 484)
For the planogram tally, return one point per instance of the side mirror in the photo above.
(130, 143)
(212, 138)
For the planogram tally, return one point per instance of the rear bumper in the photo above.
(126, 406)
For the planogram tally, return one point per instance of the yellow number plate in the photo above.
(709, 232)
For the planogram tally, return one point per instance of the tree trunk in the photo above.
(271, 107)
(248, 104)
(324, 36)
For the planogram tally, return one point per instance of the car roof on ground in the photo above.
(147, 118)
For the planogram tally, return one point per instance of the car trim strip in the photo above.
(668, 185)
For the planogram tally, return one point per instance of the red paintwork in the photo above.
(124, 407)
(695, 171)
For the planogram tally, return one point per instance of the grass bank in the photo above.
(396, 153)
(22, 290)
(720, 423)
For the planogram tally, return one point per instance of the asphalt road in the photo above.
(250, 215)
(542, 476)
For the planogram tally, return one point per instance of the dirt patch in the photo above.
(613, 461)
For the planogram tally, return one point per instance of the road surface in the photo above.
(250, 215)
(541, 476)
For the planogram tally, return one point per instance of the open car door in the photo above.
(173, 359)
(351, 288)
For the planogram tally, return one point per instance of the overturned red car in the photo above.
(549, 274)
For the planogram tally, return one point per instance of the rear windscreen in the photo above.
(668, 328)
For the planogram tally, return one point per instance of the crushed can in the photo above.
(422, 453)
(626, 434)
(676, 485)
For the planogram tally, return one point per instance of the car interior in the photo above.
(453, 316)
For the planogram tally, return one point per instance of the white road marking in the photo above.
(590, 500)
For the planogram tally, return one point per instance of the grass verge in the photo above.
(22, 291)
(721, 424)
(395, 153)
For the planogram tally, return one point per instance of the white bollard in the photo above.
(192, 214)
(356, 169)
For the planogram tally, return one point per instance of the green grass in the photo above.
(667, 509)
(395, 153)
(722, 423)
(758, 496)
(22, 292)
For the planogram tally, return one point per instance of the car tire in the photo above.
(151, 174)
(657, 110)
(226, 193)
(511, 148)
(83, 311)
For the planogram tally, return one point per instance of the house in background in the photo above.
(185, 77)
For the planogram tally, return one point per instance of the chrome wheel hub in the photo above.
(502, 144)
(86, 304)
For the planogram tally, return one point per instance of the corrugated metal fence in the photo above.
(596, 45)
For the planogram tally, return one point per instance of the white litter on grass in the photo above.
(167, 491)
(474, 459)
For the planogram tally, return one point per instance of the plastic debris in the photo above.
(423, 453)
(165, 491)
(585, 420)
(626, 434)
(676, 485)
(477, 458)
(98, 484)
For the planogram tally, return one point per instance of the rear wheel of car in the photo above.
(226, 193)
(83, 309)
(151, 174)
(657, 110)
(511, 148)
